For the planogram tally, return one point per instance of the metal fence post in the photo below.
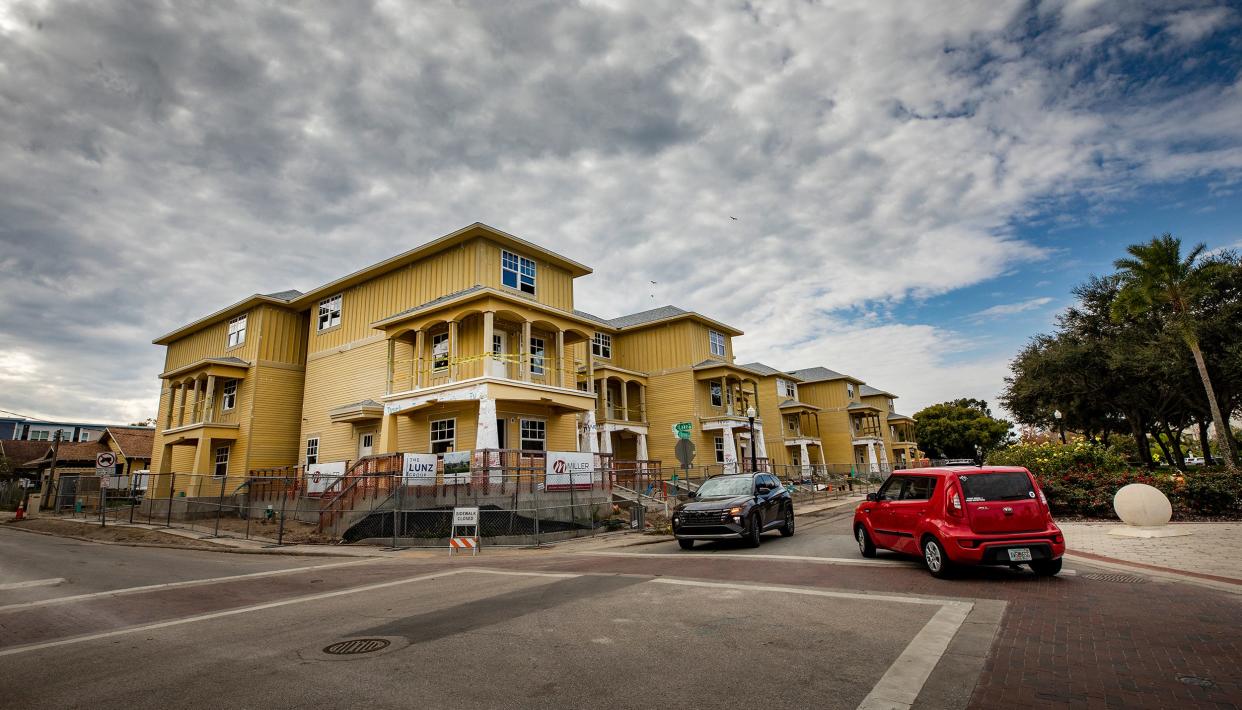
(538, 538)
(573, 512)
(249, 504)
(280, 531)
(103, 504)
(172, 486)
(220, 505)
(396, 509)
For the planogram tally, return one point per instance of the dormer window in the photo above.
(717, 343)
(517, 272)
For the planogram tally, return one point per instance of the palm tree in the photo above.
(1158, 278)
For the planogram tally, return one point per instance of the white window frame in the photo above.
(237, 331)
(538, 356)
(849, 389)
(786, 388)
(39, 436)
(715, 393)
(716, 343)
(524, 271)
(312, 451)
(222, 459)
(601, 345)
(228, 396)
(541, 426)
(434, 438)
(440, 363)
(84, 436)
(330, 312)
(720, 452)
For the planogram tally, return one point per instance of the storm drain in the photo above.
(1196, 680)
(1115, 578)
(353, 647)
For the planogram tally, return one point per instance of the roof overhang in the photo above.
(482, 299)
(603, 370)
(218, 367)
(797, 407)
(364, 411)
(688, 315)
(716, 370)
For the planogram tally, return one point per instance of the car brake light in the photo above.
(955, 503)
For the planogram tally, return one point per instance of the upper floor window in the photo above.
(787, 388)
(601, 345)
(330, 312)
(237, 331)
(517, 272)
(536, 356)
(440, 351)
(849, 389)
(228, 398)
(717, 342)
(717, 393)
(443, 435)
(312, 451)
(890, 404)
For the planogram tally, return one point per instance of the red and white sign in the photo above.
(321, 475)
(106, 459)
(570, 469)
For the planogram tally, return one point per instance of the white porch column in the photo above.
(883, 456)
(730, 448)
(392, 354)
(211, 398)
(491, 368)
(642, 447)
(642, 403)
(761, 448)
(453, 350)
(605, 442)
(486, 436)
(588, 423)
(625, 401)
(875, 466)
(805, 457)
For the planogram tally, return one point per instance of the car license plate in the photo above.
(1020, 554)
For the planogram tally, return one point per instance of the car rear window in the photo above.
(979, 487)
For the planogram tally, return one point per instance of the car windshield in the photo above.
(727, 486)
(1011, 485)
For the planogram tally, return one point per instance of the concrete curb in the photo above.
(214, 547)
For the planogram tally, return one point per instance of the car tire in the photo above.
(1046, 568)
(685, 544)
(753, 531)
(935, 559)
(865, 545)
(787, 528)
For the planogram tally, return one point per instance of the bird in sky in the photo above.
(733, 218)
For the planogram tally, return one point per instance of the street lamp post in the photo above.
(1056, 413)
(750, 415)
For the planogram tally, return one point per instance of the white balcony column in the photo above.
(804, 455)
(489, 334)
(210, 404)
(730, 450)
(181, 408)
(421, 361)
(641, 453)
(883, 456)
(487, 436)
(452, 351)
(871, 459)
(761, 448)
(625, 401)
(560, 361)
(525, 351)
(588, 424)
(172, 405)
(724, 395)
(590, 368)
(605, 442)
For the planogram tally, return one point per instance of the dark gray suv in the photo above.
(743, 505)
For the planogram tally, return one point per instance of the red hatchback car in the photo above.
(995, 515)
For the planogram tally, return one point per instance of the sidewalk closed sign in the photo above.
(570, 469)
(465, 517)
(418, 469)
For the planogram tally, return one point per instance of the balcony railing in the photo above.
(524, 367)
(632, 414)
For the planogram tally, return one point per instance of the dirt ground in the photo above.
(295, 531)
(92, 531)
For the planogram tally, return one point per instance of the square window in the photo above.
(228, 398)
(720, 449)
(717, 342)
(717, 394)
(222, 462)
(601, 345)
(84, 436)
(443, 435)
(536, 356)
(440, 351)
(849, 389)
(534, 434)
(517, 272)
(330, 312)
(237, 331)
(312, 451)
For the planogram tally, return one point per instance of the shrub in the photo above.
(1052, 458)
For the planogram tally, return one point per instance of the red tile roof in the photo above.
(133, 443)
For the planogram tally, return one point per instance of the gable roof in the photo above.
(133, 443)
(821, 374)
(769, 371)
(21, 453)
(284, 295)
(657, 315)
(71, 452)
(869, 391)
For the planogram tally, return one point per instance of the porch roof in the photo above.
(792, 404)
(862, 407)
(223, 366)
(711, 369)
(894, 417)
(366, 410)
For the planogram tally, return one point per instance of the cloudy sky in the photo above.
(916, 185)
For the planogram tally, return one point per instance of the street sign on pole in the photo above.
(105, 463)
(683, 429)
(684, 452)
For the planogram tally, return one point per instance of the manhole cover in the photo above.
(354, 647)
(1117, 578)
(1196, 680)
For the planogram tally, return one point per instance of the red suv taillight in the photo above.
(954, 505)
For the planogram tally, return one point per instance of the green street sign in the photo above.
(683, 429)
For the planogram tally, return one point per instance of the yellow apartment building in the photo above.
(472, 341)
(897, 429)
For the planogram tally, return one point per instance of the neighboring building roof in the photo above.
(769, 371)
(869, 391)
(794, 404)
(21, 453)
(820, 374)
(134, 443)
(895, 415)
(71, 452)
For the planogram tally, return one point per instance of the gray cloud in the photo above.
(158, 161)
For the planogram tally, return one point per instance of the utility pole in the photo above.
(51, 474)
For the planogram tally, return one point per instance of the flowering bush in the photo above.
(1081, 480)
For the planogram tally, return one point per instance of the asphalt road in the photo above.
(797, 623)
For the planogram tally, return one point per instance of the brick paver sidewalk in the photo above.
(1213, 549)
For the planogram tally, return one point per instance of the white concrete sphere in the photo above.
(1142, 505)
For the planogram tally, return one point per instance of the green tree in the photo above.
(1157, 278)
(954, 429)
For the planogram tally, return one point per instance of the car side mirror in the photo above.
(762, 490)
(873, 497)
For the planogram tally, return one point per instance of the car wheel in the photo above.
(753, 531)
(787, 528)
(936, 560)
(865, 545)
(1046, 568)
(685, 544)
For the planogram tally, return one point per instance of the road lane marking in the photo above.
(32, 583)
(780, 558)
(901, 684)
(175, 585)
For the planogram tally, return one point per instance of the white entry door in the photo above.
(366, 443)
(498, 367)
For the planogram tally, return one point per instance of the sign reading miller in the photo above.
(570, 470)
